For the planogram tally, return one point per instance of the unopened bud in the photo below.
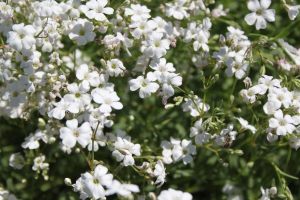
(68, 181)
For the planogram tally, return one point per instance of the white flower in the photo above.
(115, 67)
(92, 185)
(201, 41)
(95, 9)
(40, 164)
(165, 76)
(47, 8)
(177, 9)
(124, 150)
(32, 141)
(249, 95)
(267, 83)
(22, 37)
(146, 85)
(226, 137)
(65, 104)
(293, 11)
(177, 150)
(272, 137)
(245, 125)
(294, 142)
(197, 131)
(267, 194)
(16, 161)
(6, 12)
(82, 32)
(237, 67)
(271, 106)
(88, 78)
(107, 98)
(281, 97)
(72, 134)
(142, 28)
(138, 12)
(6, 195)
(284, 124)
(195, 106)
(79, 95)
(155, 46)
(160, 173)
(172, 194)
(260, 13)
(293, 52)
(124, 190)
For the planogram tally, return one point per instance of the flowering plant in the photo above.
(181, 99)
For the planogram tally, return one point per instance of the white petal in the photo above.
(269, 15)
(261, 23)
(117, 105)
(72, 124)
(253, 5)
(273, 123)
(251, 18)
(265, 4)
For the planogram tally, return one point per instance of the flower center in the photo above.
(259, 12)
(282, 122)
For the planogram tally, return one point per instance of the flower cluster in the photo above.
(160, 92)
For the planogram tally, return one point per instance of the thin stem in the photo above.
(42, 28)
(93, 141)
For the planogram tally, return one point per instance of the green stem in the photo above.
(93, 141)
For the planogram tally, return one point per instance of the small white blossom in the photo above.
(260, 13)
(195, 106)
(40, 164)
(172, 194)
(21, 37)
(245, 125)
(115, 67)
(293, 11)
(107, 98)
(16, 161)
(146, 85)
(177, 150)
(197, 131)
(96, 9)
(72, 134)
(125, 149)
(82, 32)
(283, 124)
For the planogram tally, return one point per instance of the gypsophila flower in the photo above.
(107, 99)
(293, 11)
(82, 32)
(283, 124)
(137, 12)
(177, 9)
(160, 173)
(115, 67)
(16, 161)
(21, 37)
(245, 125)
(177, 150)
(172, 194)
(198, 131)
(40, 164)
(195, 106)
(125, 149)
(146, 85)
(97, 9)
(260, 13)
(72, 134)
(226, 136)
